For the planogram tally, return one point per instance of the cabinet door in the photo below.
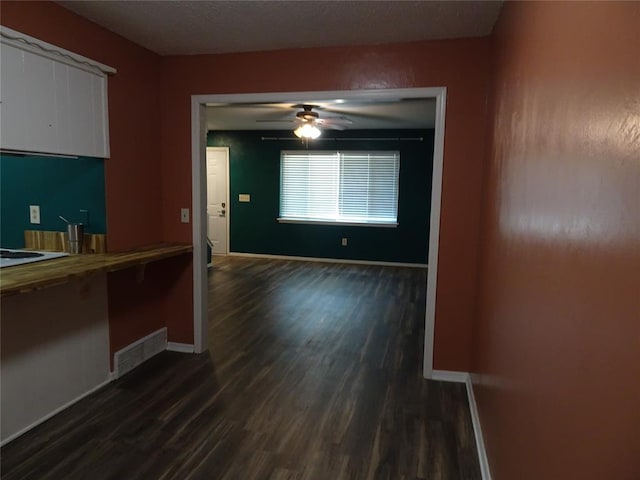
(38, 104)
(81, 111)
(11, 95)
(87, 112)
(28, 118)
(100, 116)
(63, 109)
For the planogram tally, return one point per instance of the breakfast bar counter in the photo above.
(45, 274)
(56, 328)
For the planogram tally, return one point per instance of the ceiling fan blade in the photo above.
(358, 114)
(334, 121)
(334, 127)
(284, 120)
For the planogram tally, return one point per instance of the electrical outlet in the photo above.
(344, 241)
(34, 214)
(184, 215)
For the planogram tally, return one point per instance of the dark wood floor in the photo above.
(313, 373)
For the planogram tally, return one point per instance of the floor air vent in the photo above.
(134, 354)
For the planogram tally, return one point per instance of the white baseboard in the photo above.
(328, 260)
(477, 430)
(464, 377)
(180, 347)
(449, 376)
(55, 412)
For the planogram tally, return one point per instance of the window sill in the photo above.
(334, 222)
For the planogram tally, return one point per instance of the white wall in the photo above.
(55, 349)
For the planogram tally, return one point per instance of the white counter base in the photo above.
(55, 350)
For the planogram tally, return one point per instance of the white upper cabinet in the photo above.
(51, 101)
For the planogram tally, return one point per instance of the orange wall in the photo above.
(131, 316)
(557, 342)
(133, 173)
(460, 65)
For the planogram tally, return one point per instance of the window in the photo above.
(339, 187)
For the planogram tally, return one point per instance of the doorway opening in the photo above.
(199, 193)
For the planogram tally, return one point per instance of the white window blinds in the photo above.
(343, 187)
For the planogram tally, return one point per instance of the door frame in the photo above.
(198, 149)
(227, 196)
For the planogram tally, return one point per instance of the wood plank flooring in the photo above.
(313, 373)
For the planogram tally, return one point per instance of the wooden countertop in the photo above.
(48, 273)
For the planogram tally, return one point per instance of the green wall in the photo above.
(254, 166)
(61, 186)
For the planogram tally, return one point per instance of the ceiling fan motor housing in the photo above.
(307, 114)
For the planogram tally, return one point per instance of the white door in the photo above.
(218, 199)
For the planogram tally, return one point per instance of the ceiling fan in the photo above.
(309, 121)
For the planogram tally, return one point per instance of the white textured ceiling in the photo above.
(204, 27)
(199, 27)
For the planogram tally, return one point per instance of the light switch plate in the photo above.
(34, 214)
(244, 197)
(184, 215)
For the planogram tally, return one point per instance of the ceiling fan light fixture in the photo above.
(307, 130)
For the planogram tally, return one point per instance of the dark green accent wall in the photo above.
(254, 168)
(61, 186)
